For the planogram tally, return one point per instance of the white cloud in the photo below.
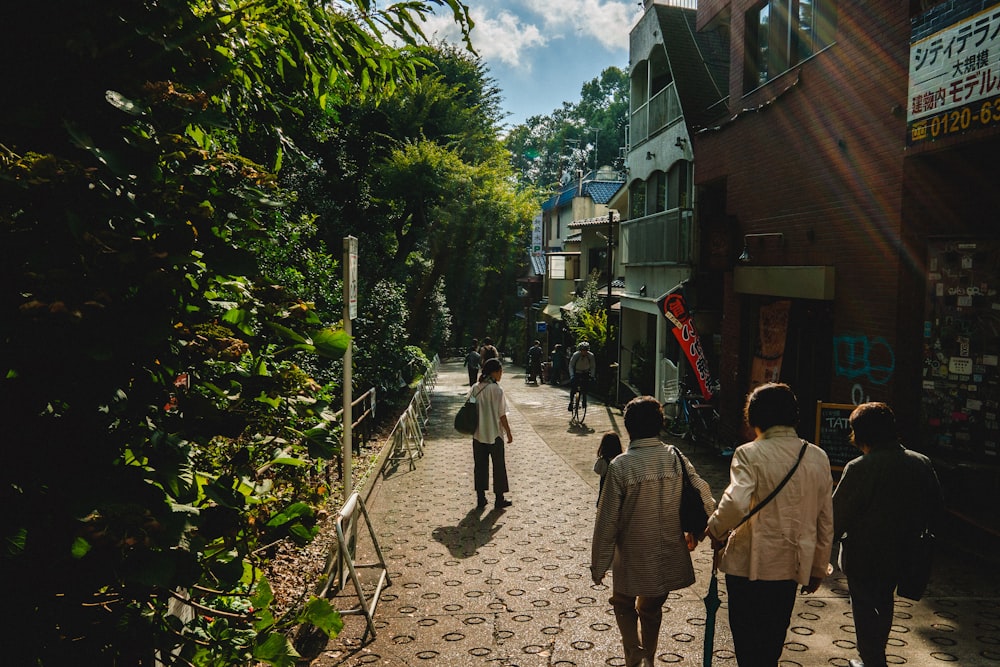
(497, 38)
(511, 31)
(607, 21)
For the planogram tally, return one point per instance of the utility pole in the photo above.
(596, 132)
(611, 246)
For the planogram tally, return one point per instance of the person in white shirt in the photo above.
(487, 443)
(785, 544)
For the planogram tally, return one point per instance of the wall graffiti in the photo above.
(858, 356)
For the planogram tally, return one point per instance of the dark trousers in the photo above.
(481, 454)
(473, 375)
(759, 613)
(581, 383)
(872, 604)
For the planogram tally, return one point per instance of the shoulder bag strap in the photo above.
(759, 506)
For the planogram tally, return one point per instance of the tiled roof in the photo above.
(600, 191)
(594, 222)
(538, 265)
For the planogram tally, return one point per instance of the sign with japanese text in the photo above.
(955, 79)
(536, 235)
(674, 308)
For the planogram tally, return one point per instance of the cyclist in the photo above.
(582, 367)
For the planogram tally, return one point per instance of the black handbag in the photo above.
(467, 419)
(694, 520)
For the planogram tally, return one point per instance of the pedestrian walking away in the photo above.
(534, 366)
(487, 351)
(637, 532)
(472, 363)
(610, 447)
(886, 499)
(487, 441)
(582, 368)
(559, 362)
(784, 484)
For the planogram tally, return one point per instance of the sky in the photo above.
(541, 52)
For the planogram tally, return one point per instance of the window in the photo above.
(782, 33)
(557, 267)
(597, 261)
(637, 199)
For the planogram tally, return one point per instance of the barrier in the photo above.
(407, 435)
(346, 550)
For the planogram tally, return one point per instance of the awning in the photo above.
(552, 311)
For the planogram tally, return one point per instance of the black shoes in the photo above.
(569, 408)
(499, 504)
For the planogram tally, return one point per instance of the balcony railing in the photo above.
(661, 238)
(662, 109)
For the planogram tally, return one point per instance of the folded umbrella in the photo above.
(712, 603)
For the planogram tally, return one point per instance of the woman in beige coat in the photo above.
(638, 534)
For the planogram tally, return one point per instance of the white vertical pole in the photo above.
(350, 312)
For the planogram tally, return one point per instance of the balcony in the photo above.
(662, 109)
(661, 238)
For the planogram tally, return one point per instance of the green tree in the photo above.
(581, 135)
(161, 428)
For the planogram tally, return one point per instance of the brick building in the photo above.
(848, 207)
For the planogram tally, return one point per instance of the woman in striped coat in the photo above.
(638, 534)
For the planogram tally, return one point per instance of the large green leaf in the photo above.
(331, 343)
(320, 613)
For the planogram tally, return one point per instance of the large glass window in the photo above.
(782, 33)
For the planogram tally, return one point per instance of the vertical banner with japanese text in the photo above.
(674, 308)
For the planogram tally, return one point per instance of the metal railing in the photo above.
(406, 442)
(661, 238)
(661, 110)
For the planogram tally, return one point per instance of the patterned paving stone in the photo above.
(512, 587)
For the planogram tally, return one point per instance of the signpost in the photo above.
(350, 313)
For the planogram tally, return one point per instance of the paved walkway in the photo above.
(512, 587)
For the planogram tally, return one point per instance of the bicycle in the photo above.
(697, 419)
(580, 399)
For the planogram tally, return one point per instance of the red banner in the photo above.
(675, 310)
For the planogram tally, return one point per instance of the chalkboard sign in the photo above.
(833, 433)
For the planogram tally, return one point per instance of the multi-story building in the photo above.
(573, 247)
(676, 76)
(849, 186)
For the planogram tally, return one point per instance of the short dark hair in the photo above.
(491, 366)
(643, 417)
(873, 424)
(771, 404)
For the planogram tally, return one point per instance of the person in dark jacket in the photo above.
(884, 496)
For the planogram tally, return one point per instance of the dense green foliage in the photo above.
(583, 135)
(175, 180)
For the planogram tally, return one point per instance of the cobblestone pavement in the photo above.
(512, 587)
